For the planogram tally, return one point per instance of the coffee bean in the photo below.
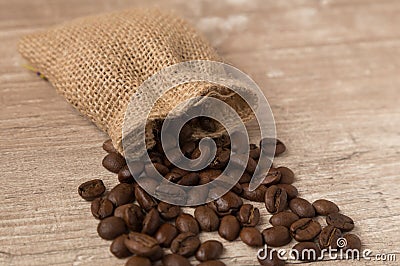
(124, 175)
(111, 227)
(145, 201)
(165, 234)
(207, 124)
(276, 236)
(248, 215)
(186, 133)
(207, 218)
(287, 175)
(171, 192)
(353, 243)
(306, 251)
(121, 194)
(138, 261)
(173, 177)
(210, 174)
(91, 189)
(229, 228)
(227, 204)
(340, 221)
(102, 208)
(237, 189)
(328, 237)
(196, 196)
(151, 222)
(175, 260)
(251, 237)
(114, 162)
(257, 195)
(185, 244)
(212, 263)
(118, 248)
(254, 152)
(325, 207)
(132, 214)
(285, 219)
(267, 144)
(305, 229)
(241, 161)
(168, 211)
(152, 170)
(209, 250)
(191, 179)
(275, 199)
(270, 259)
(245, 178)
(187, 223)
(291, 191)
(221, 158)
(109, 147)
(188, 148)
(302, 208)
(273, 177)
(143, 245)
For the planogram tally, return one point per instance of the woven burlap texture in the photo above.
(98, 62)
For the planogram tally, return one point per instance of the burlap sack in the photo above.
(98, 62)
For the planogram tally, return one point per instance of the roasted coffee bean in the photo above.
(241, 161)
(257, 195)
(245, 178)
(121, 194)
(172, 192)
(145, 201)
(196, 196)
(207, 218)
(138, 261)
(124, 175)
(237, 189)
(227, 204)
(209, 250)
(151, 222)
(248, 215)
(221, 158)
(254, 151)
(353, 243)
(191, 179)
(207, 124)
(212, 263)
(132, 214)
(143, 245)
(180, 171)
(114, 162)
(267, 145)
(302, 208)
(291, 191)
(328, 237)
(109, 147)
(210, 174)
(187, 223)
(275, 199)
(276, 236)
(91, 189)
(305, 229)
(186, 133)
(118, 248)
(251, 236)
(285, 219)
(270, 259)
(340, 221)
(175, 260)
(273, 177)
(229, 228)
(168, 211)
(173, 177)
(306, 251)
(102, 208)
(287, 175)
(152, 170)
(165, 234)
(188, 148)
(185, 244)
(155, 157)
(325, 207)
(111, 227)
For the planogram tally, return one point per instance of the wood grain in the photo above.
(330, 70)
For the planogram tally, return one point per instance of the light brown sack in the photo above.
(98, 62)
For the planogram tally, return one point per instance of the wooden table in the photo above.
(330, 70)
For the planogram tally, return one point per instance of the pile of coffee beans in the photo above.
(147, 230)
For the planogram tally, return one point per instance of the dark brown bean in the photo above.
(207, 218)
(145, 201)
(152, 170)
(285, 219)
(276, 236)
(109, 147)
(125, 176)
(305, 229)
(187, 223)
(306, 251)
(267, 143)
(165, 234)
(138, 261)
(91, 189)
(341, 221)
(287, 175)
(221, 159)
(118, 248)
(291, 191)
(248, 215)
(114, 162)
(143, 245)
(273, 177)
(254, 152)
(191, 179)
(325, 207)
(185, 244)
(229, 228)
(227, 204)
(209, 250)
(251, 237)
(175, 260)
(168, 211)
(212, 263)
(328, 237)
(111, 227)
(102, 208)
(245, 178)
(270, 259)
(132, 214)
(353, 243)
(257, 195)
(151, 222)
(275, 199)
(302, 208)
(121, 194)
